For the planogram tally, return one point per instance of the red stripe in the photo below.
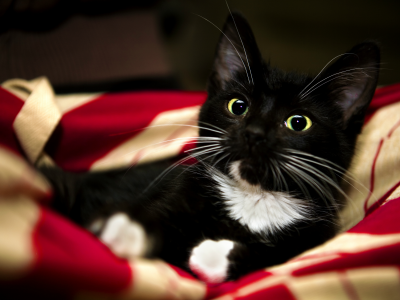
(348, 286)
(379, 202)
(372, 179)
(279, 291)
(10, 107)
(233, 290)
(169, 139)
(378, 257)
(384, 96)
(69, 258)
(231, 287)
(384, 220)
(90, 131)
(393, 129)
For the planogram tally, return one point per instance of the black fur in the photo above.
(183, 209)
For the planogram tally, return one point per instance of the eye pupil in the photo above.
(238, 107)
(298, 123)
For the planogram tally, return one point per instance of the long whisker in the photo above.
(305, 88)
(239, 84)
(339, 169)
(202, 160)
(245, 68)
(212, 155)
(276, 179)
(212, 125)
(166, 171)
(179, 162)
(292, 174)
(187, 125)
(202, 141)
(328, 180)
(206, 146)
(228, 161)
(280, 175)
(309, 168)
(206, 151)
(335, 170)
(221, 158)
(244, 49)
(162, 143)
(219, 130)
(335, 76)
(322, 191)
(320, 175)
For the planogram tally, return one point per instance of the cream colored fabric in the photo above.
(20, 188)
(376, 166)
(153, 280)
(164, 137)
(38, 117)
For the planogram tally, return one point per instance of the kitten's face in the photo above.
(275, 124)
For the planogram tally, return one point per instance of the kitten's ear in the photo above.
(351, 82)
(237, 53)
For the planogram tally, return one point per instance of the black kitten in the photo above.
(266, 186)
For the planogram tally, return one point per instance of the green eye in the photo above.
(298, 123)
(238, 107)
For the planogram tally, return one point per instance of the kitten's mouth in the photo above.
(247, 170)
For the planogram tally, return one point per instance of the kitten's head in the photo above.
(285, 131)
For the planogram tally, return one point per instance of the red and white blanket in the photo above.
(45, 256)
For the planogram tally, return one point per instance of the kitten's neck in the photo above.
(261, 211)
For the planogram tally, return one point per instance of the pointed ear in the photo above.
(351, 82)
(236, 54)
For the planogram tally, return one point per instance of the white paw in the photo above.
(209, 260)
(124, 237)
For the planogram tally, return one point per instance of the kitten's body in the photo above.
(266, 189)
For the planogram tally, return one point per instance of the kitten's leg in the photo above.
(218, 261)
(209, 260)
(125, 237)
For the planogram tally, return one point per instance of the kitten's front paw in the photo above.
(124, 237)
(209, 260)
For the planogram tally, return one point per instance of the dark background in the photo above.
(113, 44)
(294, 35)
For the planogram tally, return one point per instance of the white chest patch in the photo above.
(259, 210)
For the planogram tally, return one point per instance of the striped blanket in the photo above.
(45, 256)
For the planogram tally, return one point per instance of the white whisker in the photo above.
(335, 170)
(202, 141)
(186, 125)
(338, 169)
(221, 159)
(305, 88)
(244, 49)
(322, 191)
(245, 68)
(212, 125)
(293, 174)
(197, 148)
(179, 162)
(335, 76)
(323, 177)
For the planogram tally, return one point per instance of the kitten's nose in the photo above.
(254, 135)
